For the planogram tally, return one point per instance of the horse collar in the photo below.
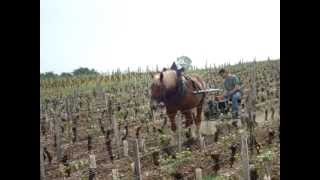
(174, 96)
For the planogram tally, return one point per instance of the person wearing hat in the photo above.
(232, 90)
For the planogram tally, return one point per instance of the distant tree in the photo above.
(47, 75)
(66, 74)
(84, 71)
(184, 62)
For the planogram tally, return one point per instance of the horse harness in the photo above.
(195, 87)
(181, 90)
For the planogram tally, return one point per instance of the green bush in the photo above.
(169, 165)
(214, 177)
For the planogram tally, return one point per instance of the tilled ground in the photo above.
(200, 159)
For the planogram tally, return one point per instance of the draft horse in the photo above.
(175, 90)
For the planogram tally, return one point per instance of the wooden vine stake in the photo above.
(116, 132)
(140, 140)
(115, 174)
(252, 100)
(137, 165)
(92, 165)
(202, 144)
(107, 110)
(254, 88)
(132, 165)
(154, 114)
(125, 148)
(245, 156)
(272, 113)
(51, 123)
(193, 131)
(198, 174)
(142, 144)
(179, 133)
(42, 169)
(69, 118)
(58, 137)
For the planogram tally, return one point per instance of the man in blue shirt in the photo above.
(232, 90)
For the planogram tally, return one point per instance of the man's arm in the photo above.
(236, 87)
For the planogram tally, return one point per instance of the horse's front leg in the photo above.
(172, 115)
(189, 118)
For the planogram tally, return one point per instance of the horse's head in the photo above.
(156, 88)
(162, 83)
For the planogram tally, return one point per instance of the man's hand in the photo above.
(228, 93)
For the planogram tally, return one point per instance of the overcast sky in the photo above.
(110, 34)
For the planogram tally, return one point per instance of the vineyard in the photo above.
(103, 125)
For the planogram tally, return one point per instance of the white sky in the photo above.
(110, 34)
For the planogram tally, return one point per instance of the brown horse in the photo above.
(175, 90)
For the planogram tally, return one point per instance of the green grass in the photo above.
(214, 177)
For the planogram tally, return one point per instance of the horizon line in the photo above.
(154, 67)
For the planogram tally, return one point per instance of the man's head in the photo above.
(223, 73)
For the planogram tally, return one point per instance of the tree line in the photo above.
(182, 61)
(77, 72)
